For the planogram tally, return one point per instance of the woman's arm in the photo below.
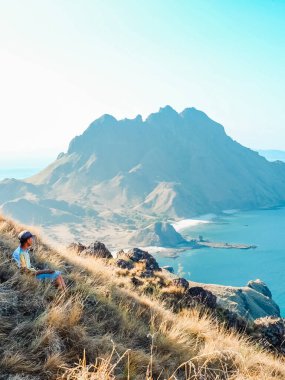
(44, 271)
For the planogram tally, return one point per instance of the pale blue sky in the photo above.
(66, 62)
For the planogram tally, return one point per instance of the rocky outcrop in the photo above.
(238, 305)
(96, 249)
(248, 302)
(181, 283)
(124, 264)
(272, 331)
(137, 255)
(197, 294)
(77, 247)
(260, 287)
(159, 234)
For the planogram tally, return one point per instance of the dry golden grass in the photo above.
(119, 332)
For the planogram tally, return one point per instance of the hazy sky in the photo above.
(66, 62)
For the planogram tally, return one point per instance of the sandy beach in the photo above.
(187, 223)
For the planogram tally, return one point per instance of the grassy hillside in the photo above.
(105, 328)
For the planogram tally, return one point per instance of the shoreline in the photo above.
(187, 223)
(174, 252)
(213, 244)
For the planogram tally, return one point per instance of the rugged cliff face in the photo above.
(134, 172)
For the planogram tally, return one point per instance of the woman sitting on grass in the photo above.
(22, 257)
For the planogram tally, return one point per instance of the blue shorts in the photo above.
(49, 276)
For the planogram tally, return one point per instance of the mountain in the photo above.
(273, 155)
(126, 174)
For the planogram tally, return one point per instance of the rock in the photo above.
(233, 320)
(201, 295)
(148, 273)
(138, 255)
(121, 263)
(160, 234)
(98, 249)
(120, 253)
(246, 302)
(181, 283)
(136, 281)
(260, 287)
(77, 247)
(168, 268)
(272, 330)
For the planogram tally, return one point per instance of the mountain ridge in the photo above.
(169, 166)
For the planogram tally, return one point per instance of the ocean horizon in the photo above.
(18, 173)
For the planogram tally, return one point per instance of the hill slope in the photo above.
(43, 333)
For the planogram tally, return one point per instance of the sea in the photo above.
(263, 228)
(17, 173)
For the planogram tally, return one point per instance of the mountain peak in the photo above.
(168, 109)
(166, 114)
(105, 119)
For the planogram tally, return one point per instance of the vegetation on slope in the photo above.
(110, 329)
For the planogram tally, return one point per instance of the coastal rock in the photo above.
(246, 302)
(160, 234)
(260, 287)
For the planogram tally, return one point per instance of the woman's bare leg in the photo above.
(59, 282)
(62, 282)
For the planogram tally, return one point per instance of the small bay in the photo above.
(235, 267)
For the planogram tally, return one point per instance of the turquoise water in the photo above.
(265, 228)
(17, 173)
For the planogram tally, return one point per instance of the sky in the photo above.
(64, 63)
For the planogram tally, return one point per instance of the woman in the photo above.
(22, 257)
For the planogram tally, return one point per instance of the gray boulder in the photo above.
(98, 249)
(181, 283)
(138, 255)
(260, 287)
(197, 294)
(124, 264)
(77, 247)
(272, 330)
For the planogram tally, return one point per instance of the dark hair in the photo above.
(24, 236)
